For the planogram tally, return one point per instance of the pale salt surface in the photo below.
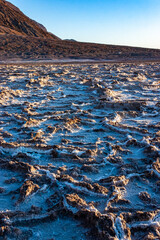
(90, 122)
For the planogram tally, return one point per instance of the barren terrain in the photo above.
(36, 48)
(22, 38)
(79, 151)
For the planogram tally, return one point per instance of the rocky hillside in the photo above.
(14, 46)
(13, 21)
(23, 38)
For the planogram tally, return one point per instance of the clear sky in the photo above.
(121, 22)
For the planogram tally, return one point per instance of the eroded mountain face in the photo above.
(79, 155)
(13, 21)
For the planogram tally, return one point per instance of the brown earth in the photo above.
(21, 47)
(23, 38)
(12, 19)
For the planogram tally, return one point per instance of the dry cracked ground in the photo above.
(79, 152)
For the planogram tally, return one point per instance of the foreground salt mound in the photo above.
(79, 152)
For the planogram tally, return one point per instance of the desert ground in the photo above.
(79, 151)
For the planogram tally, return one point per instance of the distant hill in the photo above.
(72, 40)
(24, 38)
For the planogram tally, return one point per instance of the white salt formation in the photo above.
(79, 152)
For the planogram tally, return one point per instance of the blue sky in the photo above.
(122, 22)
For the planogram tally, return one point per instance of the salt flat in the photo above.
(79, 151)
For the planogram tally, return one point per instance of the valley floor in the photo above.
(79, 151)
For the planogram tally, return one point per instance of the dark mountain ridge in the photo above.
(24, 38)
(12, 19)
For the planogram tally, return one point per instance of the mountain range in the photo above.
(24, 38)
